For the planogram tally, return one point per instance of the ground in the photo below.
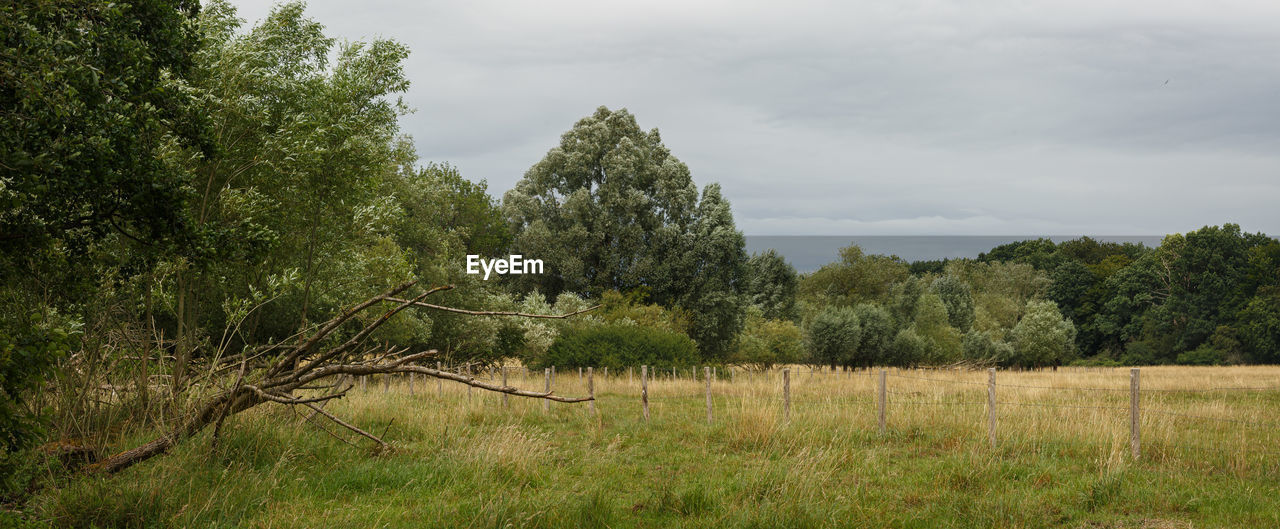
(466, 460)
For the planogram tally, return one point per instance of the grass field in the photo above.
(1062, 458)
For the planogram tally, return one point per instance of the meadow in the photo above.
(462, 458)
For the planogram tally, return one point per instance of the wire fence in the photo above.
(879, 390)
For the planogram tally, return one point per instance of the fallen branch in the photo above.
(304, 364)
(490, 312)
(348, 426)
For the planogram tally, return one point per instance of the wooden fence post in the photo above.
(706, 373)
(591, 389)
(411, 381)
(883, 395)
(439, 381)
(786, 393)
(546, 380)
(506, 401)
(579, 374)
(991, 405)
(364, 382)
(629, 379)
(386, 383)
(1135, 436)
(644, 390)
(469, 387)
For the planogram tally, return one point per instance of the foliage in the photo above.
(957, 298)
(772, 284)
(612, 209)
(833, 336)
(979, 347)
(878, 330)
(1042, 337)
(932, 324)
(91, 99)
(618, 346)
(768, 342)
(855, 278)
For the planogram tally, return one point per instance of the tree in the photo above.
(855, 278)
(1042, 337)
(1040, 253)
(958, 299)
(611, 209)
(833, 336)
(767, 342)
(932, 324)
(1260, 327)
(713, 271)
(91, 100)
(771, 285)
(878, 331)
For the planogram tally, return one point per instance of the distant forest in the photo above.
(179, 189)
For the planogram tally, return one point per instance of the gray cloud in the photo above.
(989, 117)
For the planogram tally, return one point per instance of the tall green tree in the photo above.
(1043, 337)
(833, 336)
(772, 285)
(91, 99)
(611, 208)
(958, 298)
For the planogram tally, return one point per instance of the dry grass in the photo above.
(465, 459)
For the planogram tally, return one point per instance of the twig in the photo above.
(348, 426)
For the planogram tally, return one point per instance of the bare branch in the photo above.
(349, 426)
(490, 312)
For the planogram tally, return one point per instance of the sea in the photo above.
(809, 252)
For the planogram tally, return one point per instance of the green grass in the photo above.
(477, 464)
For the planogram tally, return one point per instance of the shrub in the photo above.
(909, 348)
(834, 335)
(617, 346)
(1205, 355)
(1043, 337)
(765, 342)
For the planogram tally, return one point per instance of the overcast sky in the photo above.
(871, 118)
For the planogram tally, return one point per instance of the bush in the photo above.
(980, 347)
(1205, 355)
(834, 335)
(909, 348)
(1043, 337)
(766, 342)
(618, 346)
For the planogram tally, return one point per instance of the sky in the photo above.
(909, 117)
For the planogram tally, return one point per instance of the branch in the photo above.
(291, 400)
(491, 312)
(349, 426)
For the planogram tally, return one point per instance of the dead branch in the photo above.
(348, 426)
(303, 365)
(490, 312)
